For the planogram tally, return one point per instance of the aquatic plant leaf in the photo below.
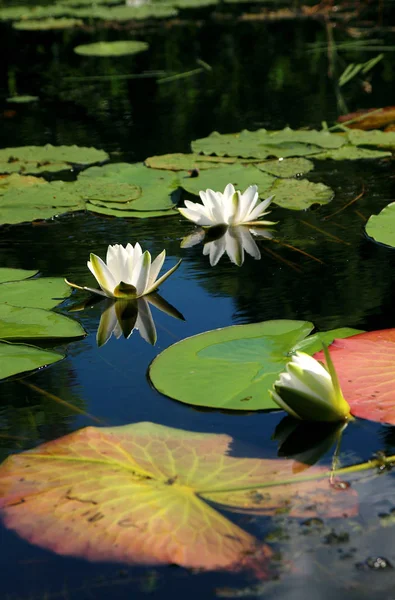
(119, 48)
(381, 227)
(157, 187)
(365, 365)
(187, 162)
(44, 292)
(375, 137)
(17, 323)
(107, 192)
(21, 358)
(250, 144)
(241, 176)
(263, 143)
(243, 360)
(8, 274)
(15, 180)
(40, 159)
(288, 193)
(47, 24)
(10, 13)
(127, 13)
(22, 99)
(101, 209)
(289, 167)
(299, 194)
(369, 118)
(29, 203)
(86, 2)
(349, 152)
(136, 494)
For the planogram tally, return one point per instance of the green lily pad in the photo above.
(263, 143)
(18, 181)
(7, 274)
(45, 292)
(157, 187)
(40, 159)
(381, 227)
(127, 13)
(187, 162)
(348, 152)
(20, 205)
(243, 360)
(289, 167)
(299, 194)
(106, 191)
(241, 176)
(11, 13)
(22, 99)
(289, 193)
(97, 208)
(21, 358)
(47, 24)
(18, 323)
(120, 48)
(87, 2)
(250, 144)
(374, 137)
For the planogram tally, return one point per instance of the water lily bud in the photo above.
(309, 391)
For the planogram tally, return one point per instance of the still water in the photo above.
(263, 75)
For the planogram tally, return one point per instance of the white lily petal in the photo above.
(141, 273)
(215, 207)
(196, 217)
(248, 201)
(102, 274)
(259, 210)
(229, 191)
(156, 267)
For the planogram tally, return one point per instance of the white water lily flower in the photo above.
(129, 272)
(227, 208)
(307, 390)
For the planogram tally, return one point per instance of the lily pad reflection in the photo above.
(234, 241)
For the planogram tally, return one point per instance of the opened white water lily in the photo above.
(129, 272)
(227, 208)
(309, 391)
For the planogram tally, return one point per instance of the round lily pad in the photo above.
(300, 193)
(120, 48)
(287, 167)
(126, 13)
(18, 323)
(44, 292)
(187, 162)
(107, 210)
(47, 24)
(381, 227)
(157, 187)
(243, 361)
(22, 99)
(40, 159)
(9, 274)
(21, 358)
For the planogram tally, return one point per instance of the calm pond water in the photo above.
(263, 75)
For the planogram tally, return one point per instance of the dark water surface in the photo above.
(263, 75)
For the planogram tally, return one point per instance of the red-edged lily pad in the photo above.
(365, 364)
(145, 493)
